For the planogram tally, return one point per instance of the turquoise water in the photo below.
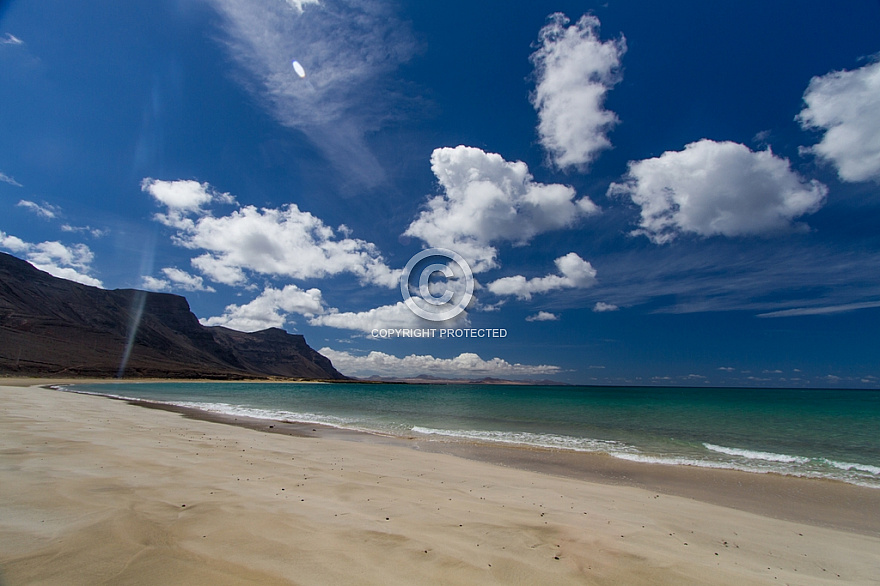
(821, 433)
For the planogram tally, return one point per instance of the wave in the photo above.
(234, 410)
(538, 440)
(703, 455)
(744, 460)
(684, 461)
(756, 455)
(849, 466)
(269, 414)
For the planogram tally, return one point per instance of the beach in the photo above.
(95, 490)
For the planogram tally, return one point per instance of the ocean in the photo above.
(813, 433)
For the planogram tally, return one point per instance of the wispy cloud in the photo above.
(349, 49)
(94, 232)
(733, 275)
(10, 39)
(47, 211)
(7, 179)
(821, 310)
(602, 307)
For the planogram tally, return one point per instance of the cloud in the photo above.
(465, 364)
(271, 309)
(574, 71)
(151, 283)
(94, 232)
(46, 210)
(846, 104)
(11, 39)
(488, 200)
(282, 242)
(735, 275)
(726, 368)
(7, 179)
(602, 307)
(386, 316)
(575, 272)
(543, 316)
(183, 195)
(66, 262)
(821, 310)
(717, 188)
(176, 279)
(52, 212)
(300, 4)
(349, 49)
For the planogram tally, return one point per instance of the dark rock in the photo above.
(51, 326)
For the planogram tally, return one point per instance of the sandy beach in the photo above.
(98, 491)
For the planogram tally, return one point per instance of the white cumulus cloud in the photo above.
(574, 71)
(465, 364)
(176, 279)
(183, 195)
(271, 309)
(284, 242)
(66, 262)
(387, 316)
(487, 200)
(601, 306)
(151, 283)
(574, 271)
(543, 316)
(846, 105)
(717, 188)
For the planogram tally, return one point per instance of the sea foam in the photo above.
(756, 455)
(538, 440)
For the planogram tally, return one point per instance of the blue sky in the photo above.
(685, 193)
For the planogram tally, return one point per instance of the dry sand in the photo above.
(96, 491)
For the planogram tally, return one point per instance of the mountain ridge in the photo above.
(52, 326)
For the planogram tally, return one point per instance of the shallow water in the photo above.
(820, 433)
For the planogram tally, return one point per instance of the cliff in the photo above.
(51, 326)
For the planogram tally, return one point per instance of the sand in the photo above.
(97, 491)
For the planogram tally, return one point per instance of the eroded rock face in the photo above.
(54, 326)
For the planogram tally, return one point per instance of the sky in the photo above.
(681, 193)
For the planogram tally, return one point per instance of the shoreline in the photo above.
(769, 494)
(98, 491)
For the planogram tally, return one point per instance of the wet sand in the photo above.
(98, 491)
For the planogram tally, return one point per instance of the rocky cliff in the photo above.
(51, 326)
